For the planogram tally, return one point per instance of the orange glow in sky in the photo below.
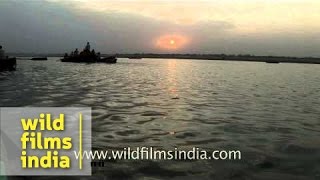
(171, 42)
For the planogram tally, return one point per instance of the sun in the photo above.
(171, 42)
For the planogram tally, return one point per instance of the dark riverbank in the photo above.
(280, 59)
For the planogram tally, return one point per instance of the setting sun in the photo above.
(171, 42)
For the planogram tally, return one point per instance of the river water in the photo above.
(270, 112)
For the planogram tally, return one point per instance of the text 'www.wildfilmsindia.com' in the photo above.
(150, 153)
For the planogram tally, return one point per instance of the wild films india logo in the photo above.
(42, 141)
(32, 136)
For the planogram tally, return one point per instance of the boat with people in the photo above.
(87, 56)
(7, 63)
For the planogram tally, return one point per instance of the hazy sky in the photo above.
(261, 27)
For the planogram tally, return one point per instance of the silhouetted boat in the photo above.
(110, 60)
(8, 64)
(39, 59)
(272, 61)
(90, 59)
(87, 56)
(79, 59)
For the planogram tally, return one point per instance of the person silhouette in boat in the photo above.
(93, 52)
(76, 52)
(87, 48)
(1, 53)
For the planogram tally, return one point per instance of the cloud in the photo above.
(254, 26)
(248, 16)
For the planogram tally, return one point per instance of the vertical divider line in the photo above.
(80, 141)
(0, 143)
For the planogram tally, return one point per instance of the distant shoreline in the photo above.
(272, 59)
(252, 58)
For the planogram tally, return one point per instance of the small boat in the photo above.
(39, 59)
(9, 64)
(272, 61)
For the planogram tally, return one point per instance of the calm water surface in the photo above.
(268, 111)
